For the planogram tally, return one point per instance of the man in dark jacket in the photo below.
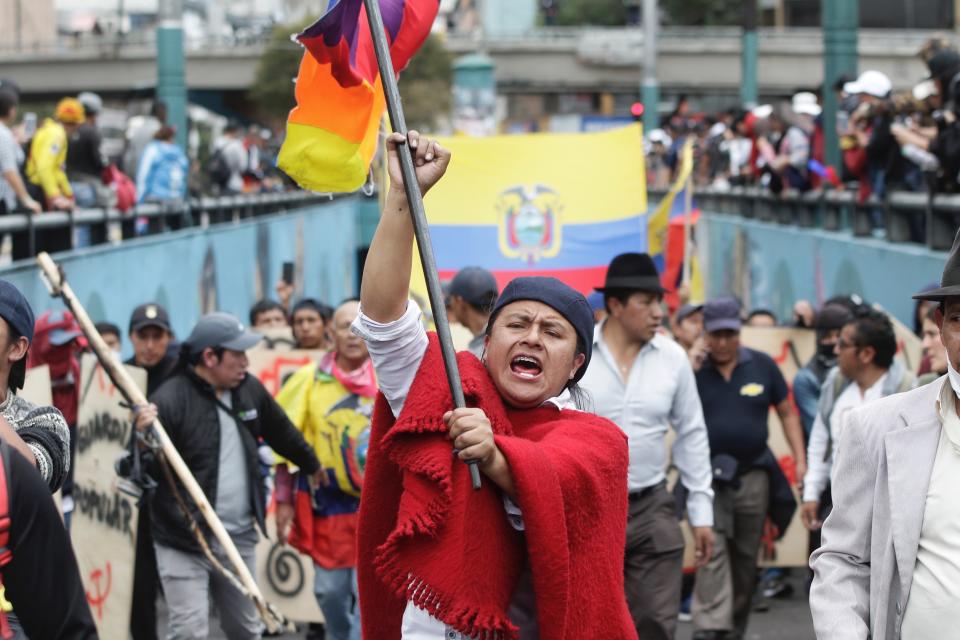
(214, 412)
(150, 334)
(85, 160)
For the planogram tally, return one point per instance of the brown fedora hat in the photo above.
(950, 280)
(633, 271)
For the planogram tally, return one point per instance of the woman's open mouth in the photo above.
(526, 367)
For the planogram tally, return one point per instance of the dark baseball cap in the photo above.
(476, 285)
(150, 314)
(15, 309)
(219, 329)
(722, 314)
(688, 310)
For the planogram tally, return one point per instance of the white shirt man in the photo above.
(643, 382)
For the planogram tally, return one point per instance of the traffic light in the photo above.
(636, 110)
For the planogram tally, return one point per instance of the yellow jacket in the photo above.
(48, 154)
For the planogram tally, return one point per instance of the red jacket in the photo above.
(425, 536)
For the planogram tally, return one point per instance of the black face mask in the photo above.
(826, 355)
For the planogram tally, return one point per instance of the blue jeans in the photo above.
(336, 593)
(85, 195)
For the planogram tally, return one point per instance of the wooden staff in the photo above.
(417, 212)
(57, 286)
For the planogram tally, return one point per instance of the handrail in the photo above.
(54, 230)
(902, 217)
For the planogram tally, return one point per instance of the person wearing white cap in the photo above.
(870, 83)
(871, 151)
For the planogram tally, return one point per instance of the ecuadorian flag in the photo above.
(561, 205)
(665, 233)
(332, 132)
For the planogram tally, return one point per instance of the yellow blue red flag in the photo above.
(542, 204)
(665, 233)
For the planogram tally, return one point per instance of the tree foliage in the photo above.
(424, 85)
(273, 81)
(703, 13)
(606, 13)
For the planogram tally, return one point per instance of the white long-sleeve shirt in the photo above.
(396, 349)
(660, 392)
(819, 464)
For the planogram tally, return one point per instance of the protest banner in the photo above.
(285, 576)
(104, 521)
(791, 349)
(273, 366)
(276, 338)
(36, 386)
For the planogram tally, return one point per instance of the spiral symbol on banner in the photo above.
(284, 571)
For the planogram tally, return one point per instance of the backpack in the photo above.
(217, 168)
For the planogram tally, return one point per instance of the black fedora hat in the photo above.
(950, 280)
(633, 271)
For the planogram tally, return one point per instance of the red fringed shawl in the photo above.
(426, 536)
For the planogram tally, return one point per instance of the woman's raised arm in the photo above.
(386, 274)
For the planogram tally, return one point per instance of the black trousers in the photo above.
(146, 581)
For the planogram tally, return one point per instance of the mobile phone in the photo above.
(29, 124)
(287, 272)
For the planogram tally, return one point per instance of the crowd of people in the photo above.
(59, 164)
(570, 403)
(889, 140)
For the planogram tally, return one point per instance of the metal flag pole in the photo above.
(417, 213)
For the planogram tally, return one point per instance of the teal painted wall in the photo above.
(771, 266)
(226, 267)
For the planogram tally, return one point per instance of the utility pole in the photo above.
(171, 76)
(650, 88)
(748, 56)
(18, 9)
(841, 19)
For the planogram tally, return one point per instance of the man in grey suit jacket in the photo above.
(890, 560)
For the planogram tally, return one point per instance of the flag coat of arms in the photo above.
(332, 132)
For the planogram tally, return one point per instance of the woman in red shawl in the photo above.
(538, 551)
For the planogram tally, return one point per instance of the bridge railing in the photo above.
(61, 231)
(902, 217)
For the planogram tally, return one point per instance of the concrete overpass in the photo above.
(699, 61)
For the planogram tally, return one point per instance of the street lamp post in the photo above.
(171, 76)
(748, 56)
(840, 22)
(650, 89)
